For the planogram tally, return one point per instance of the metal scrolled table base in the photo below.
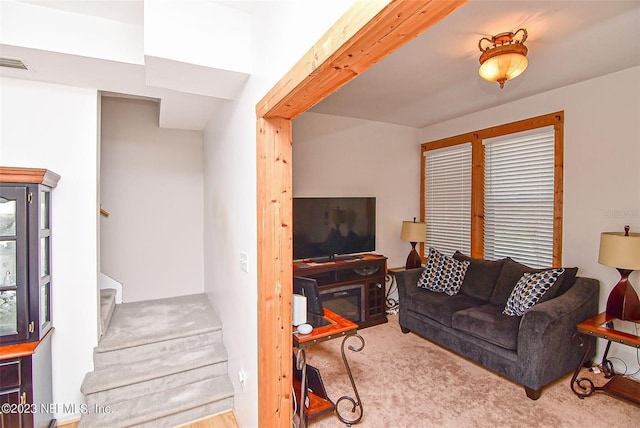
(582, 387)
(391, 303)
(356, 403)
(301, 364)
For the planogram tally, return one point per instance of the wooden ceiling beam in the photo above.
(368, 32)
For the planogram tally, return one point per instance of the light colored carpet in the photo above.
(160, 363)
(407, 381)
(149, 321)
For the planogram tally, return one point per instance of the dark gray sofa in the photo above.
(532, 350)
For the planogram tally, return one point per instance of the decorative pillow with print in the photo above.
(443, 274)
(529, 289)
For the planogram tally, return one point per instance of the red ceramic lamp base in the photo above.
(623, 302)
(413, 259)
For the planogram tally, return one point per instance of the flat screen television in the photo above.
(333, 227)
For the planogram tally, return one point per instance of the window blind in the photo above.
(448, 198)
(519, 197)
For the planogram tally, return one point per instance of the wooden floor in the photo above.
(221, 420)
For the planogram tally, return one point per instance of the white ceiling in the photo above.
(127, 11)
(435, 77)
(431, 79)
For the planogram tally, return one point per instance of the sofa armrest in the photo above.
(545, 348)
(407, 282)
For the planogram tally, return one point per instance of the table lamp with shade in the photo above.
(621, 250)
(413, 232)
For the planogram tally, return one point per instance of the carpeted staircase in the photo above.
(159, 363)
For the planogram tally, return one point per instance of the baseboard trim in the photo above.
(69, 423)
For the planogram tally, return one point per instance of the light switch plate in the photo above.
(244, 261)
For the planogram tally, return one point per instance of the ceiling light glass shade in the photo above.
(505, 59)
(503, 67)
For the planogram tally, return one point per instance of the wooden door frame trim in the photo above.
(369, 31)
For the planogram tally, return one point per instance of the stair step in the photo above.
(126, 356)
(122, 382)
(166, 408)
(140, 323)
(155, 327)
(107, 307)
(159, 363)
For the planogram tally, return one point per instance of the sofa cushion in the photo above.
(481, 276)
(439, 307)
(529, 289)
(511, 273)
(565, 282)
(442, 273)
(487, 322)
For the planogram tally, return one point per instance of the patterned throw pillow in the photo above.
(529, 289)
(443, 274)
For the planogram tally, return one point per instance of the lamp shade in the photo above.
(413, 231)
(620, 251)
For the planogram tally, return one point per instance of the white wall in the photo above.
(151, 184)
(282, 33)
(602, 154)
(54, 127)
(341, 156)
(203, 33)
(50, 29)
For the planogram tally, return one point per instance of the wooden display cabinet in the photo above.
(25, 295)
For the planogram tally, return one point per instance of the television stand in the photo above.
(335, 257)
(353, 287)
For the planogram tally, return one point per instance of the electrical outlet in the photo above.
(244, 261)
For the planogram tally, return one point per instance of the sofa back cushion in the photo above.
(564, 282)
(481, 276)
(443, 273)
(511, 273)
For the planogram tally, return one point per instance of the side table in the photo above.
(328, 327)
(603, 326)
(391, 301)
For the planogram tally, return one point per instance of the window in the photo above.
(447, 178)
(509, 202)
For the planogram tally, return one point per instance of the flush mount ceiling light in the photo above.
(504, 58)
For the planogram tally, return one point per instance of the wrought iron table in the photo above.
(604, 326)
(329, 327)
(391, 297)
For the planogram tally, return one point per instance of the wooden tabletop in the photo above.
(595, 326)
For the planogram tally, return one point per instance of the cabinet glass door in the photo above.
(8, 257)
(45, 259)
(8, 289)
(13, 287)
